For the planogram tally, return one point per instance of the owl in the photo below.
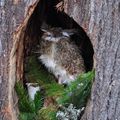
(60, 54)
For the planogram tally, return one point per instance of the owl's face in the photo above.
(56, 34)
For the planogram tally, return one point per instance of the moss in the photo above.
(47, 113)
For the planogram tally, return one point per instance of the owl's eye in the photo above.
(49, 35)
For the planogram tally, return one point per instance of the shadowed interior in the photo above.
(45, 11)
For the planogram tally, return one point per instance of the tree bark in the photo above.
(101, 21)
(12, 14)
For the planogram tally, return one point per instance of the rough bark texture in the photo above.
(101, 20)
(12, 14)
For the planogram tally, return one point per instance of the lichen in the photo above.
(69, 113)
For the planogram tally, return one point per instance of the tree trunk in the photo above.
(101, 20)
(12, 14)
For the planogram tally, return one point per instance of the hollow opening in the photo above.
(45, 11)
(30, 35)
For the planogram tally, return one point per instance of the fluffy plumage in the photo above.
(60, 55)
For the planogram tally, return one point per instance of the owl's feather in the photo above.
(60, 55)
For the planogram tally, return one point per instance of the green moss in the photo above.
(47, 113)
